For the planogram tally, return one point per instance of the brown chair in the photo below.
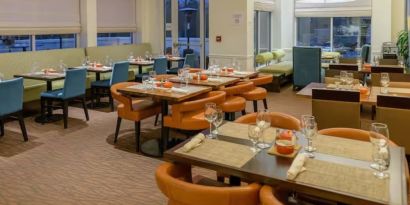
(279, 120)
(389, 62)
(233, 102)
(258, 93)
(336, 108)
(189, 115)
(267, 196)
(345, 67)
(387, 69)
(175, 182)
(397, 80)
(331, 76)
(133, 110)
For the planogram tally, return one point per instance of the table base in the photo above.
(98, 105)
(151, 148)
(49, 118)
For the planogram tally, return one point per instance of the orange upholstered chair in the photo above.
(267, 196)
(175, 182)
(279, 120)
(258, 93)
(233, 102)
(133, 109)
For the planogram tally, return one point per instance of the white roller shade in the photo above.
(116, 16)
(325, 8)
(265, 5)
(39, 17)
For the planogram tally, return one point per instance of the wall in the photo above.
(237, 40)
(398, 15)
(283, 24)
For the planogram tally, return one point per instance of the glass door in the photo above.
(184, 33)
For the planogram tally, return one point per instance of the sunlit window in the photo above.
(55, 41)
(10, 44)
(109, 39)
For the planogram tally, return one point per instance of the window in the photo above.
(60, 41)
(341, 34)
(10, 44)
(108, 39)
(168, 26)
(262, 31)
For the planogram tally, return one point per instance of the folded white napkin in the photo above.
(215, 80)
(179, 90)
(196, 141)
(296, 167)
(240, 72)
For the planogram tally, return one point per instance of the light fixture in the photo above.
(323, 1)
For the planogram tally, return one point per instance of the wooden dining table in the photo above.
(166, 97)
(213, 82)
(141, 64)
(346, 162)
(243, 75)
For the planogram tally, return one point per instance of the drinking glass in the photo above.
(152, 75)
(343, 77)
(145, 81)
(217, 70)
(62, 66)
(187, 75)
(349, 79)
(379, 137)
(181, 75)
(1, 77)
(309, 129)
(218, 120)
(34, 68)
(359, 62)
(384, 82)
(146, 55)
(210, 116)
(254, 133)
(131, 57)
(263, 121)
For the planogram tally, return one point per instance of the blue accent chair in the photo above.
(189, 61)
(160, 67)
(74, 88)
(306, 66)
(102, 87)
(11, 98)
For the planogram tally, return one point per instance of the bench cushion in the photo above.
(285, 67)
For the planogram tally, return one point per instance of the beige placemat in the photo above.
(238, 130)
(399, 90)
(353, 180)
(234, 155)
(342, 147)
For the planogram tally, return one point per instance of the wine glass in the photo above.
(186, 75)
(131, 57)
(309, 129)
(263, 121)
(152, 75)
(1, 77)
(181, 75)
(218, 120)
(217, 70)
(349, 79)
(343, 77)
(254, 133)
(384, 81)
(145, 80)
(210, 116)
(34, 68)
(379, 137)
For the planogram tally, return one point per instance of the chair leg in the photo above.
(43, 109)
(117, 129)
(22, 126)
(243, 112)
(255, 106)
(87, 117)
(65, 114)
(137, 135)
(265, 104)
(156, 120)
(111, 102)
(92, 97)
(1, 128)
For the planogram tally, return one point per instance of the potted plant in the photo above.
(403, 46)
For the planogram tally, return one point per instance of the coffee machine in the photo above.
(389, 50)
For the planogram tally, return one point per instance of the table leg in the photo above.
(49, 103)
(234, 181)
(97, 76)
(140, 69)
(169, 64)
(50, 117)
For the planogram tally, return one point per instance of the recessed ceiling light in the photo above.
(323, 1)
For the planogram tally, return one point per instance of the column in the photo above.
(381, 24)
(88, 35)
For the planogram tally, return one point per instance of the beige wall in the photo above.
(398, 14)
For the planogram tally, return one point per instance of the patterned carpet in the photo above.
(81, 165)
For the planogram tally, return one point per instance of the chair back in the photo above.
(238, 88)
(366, 51)
(160, 66)
(262, 80)
(331, 76)
(306, 65)
(278, 120)
(398, 80)
(11, 96)
(395, 112)
(189, 60)
(348, 60)
(348, 133)
(174, 181)
(267, 196)
(345, 67)
(387, 69)
(75, 83)
(119, 72)
(336, 108)
(389, 62)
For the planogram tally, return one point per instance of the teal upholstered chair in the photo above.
(74, 88)
(306, 66)
(102, 87)
(160, 67)
(11, 98)
(366, 49)
(189, 61)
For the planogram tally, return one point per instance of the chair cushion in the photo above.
(278, 54)
(256, 94)
(264, 58)
(141, 109)
(56, 94)
(285, 67)
(234, 104)
(191, 121)
(101, 84)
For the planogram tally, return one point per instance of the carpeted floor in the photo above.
(81, 165)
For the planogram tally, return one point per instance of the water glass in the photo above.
(384, 82)
(35, 67)
(152, 75)
(131, 57)
(218, 120)
(343, 77)
(210, 116)
(187, 75)
(379, 137)
(263, 121)
(309, 129)
(145, 82)
(254, 133)
(181, 75)
(349, 79)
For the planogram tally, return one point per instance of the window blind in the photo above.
(39, 17)
(116, 16)
(323, 8)
(265, 5)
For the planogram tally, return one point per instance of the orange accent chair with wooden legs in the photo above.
(233, 102)
(133, 109)
(175, 182)
(267, 196)
(258, 93)
(279, 120)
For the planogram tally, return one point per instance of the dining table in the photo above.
(171, 59)
(166, 96)
(339, 172)
(49, 78)
(141, 64)
(243, 75)
(212, 81)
